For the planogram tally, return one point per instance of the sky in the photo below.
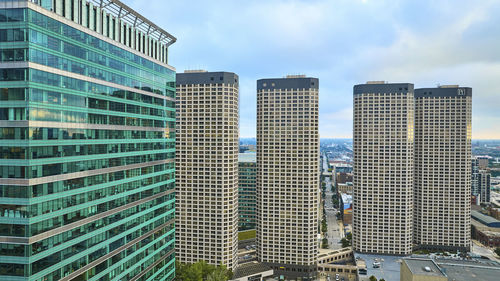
(343, 43)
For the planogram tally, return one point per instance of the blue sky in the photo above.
(342, 42)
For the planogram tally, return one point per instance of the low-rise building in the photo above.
(485, 219)
(345, 188)
(415, 269)
(421, 270)
(485, 229)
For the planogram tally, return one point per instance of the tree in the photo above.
(324, 243)
(372, 278)
(497, 251)
(201, 270)
(381, 279)
(345, 243)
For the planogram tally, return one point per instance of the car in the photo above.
(376, 264)
(337, 277)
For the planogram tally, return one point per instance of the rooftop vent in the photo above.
(427, 269)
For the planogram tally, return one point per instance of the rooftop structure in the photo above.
(423, 267)
(136, 20)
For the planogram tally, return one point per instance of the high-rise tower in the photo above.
(87, 113)
(207, 136)
(288, 174)
(442, 186)
(383, 168)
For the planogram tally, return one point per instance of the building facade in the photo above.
(484, 186)
(442, 189)
(383, 168)
(474, 176)
(247, 191)
(207, 135)
(87, 116)
(288, 175)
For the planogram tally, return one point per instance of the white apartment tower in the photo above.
(288, 175)
(383, 168)
(207, 139)
(442, 188)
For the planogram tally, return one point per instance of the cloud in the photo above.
(342, 42)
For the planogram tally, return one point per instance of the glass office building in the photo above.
(87, 143)
(247, 191)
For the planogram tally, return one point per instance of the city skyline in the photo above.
(449, 42)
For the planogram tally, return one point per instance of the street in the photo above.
(334, 233)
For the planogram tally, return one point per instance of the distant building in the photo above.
(207, 132)
(342, 168)
(484, 186)
(288, 175)
(343, 177)
(345, 188)
(442, 153)
(247, 191)
(346, 208)
(383, 168)
(483, 162)
(474, 177)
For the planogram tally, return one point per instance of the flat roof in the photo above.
(247, 157)
(487, 220)
(470, 270)
(423, 267)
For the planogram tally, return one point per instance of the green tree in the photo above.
(201, 271)
(345, 243)
(381, 279)
(373, 278)
(324, 243)
(497, 251)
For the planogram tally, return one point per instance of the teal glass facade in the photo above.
(247, 191)
(87, 152)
